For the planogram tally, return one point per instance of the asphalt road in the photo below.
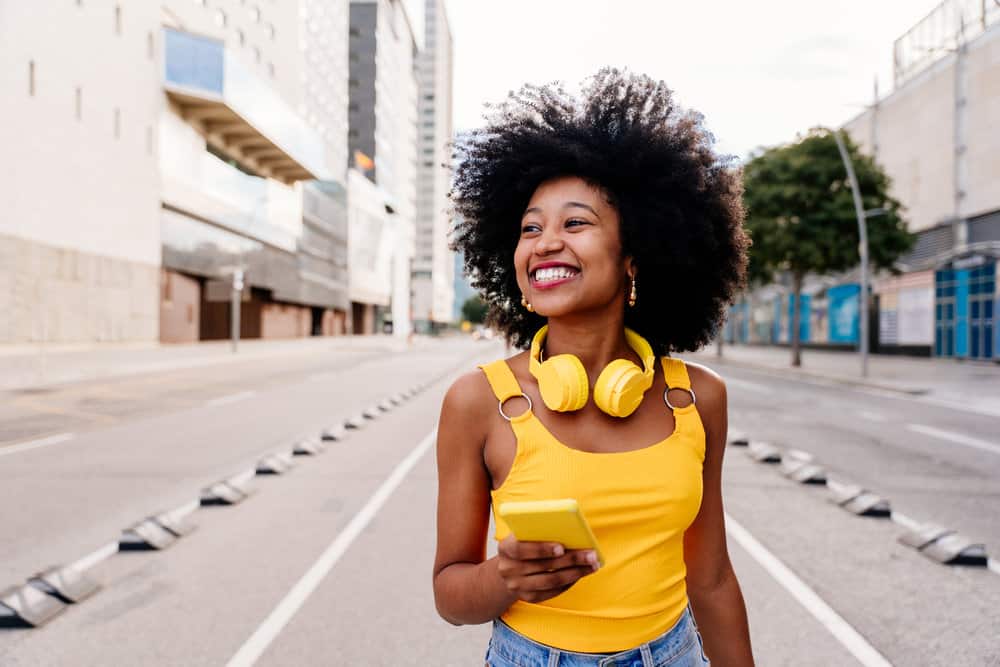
(330, 563)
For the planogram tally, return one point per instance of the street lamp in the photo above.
(862, 214)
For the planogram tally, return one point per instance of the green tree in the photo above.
(801, 217)
(474, 309)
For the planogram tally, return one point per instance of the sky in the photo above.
(760, 71)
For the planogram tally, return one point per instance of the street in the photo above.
(330, 562)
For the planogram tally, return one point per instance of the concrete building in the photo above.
(936, 136)
(179, 155)
(433, 265)
(80, 226)
(382, 115)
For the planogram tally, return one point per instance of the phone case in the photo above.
(550, 521)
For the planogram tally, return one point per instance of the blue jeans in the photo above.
(680, 646)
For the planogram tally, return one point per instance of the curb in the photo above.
(794, 374)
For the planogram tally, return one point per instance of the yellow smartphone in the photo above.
(550, 521)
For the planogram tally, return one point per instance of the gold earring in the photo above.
(524, 302)
(632, 295)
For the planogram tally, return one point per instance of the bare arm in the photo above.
(712, 586)
(467, 588)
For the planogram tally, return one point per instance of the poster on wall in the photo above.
(916, 316)
(843, 313)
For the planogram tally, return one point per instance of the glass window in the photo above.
(220, 18)
(255, 14)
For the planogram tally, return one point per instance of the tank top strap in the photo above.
(675, 373)
(502, 380)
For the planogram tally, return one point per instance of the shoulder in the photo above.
(470, 393)
(709, 388)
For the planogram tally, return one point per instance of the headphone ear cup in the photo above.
(620, 388)
(562, 382)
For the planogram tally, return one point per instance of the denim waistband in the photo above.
(515, 647)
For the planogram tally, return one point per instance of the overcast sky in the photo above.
(760, 71)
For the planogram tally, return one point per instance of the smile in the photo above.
(553, 275)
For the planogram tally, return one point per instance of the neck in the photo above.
(596, 343)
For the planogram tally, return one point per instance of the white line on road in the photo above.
(90, 560)
(296, 597)
(231, 398)
(904, 520)
(871, 416)
(955, 437)
(35, 444)
(859, 647)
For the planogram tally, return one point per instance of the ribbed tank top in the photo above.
(638, 504)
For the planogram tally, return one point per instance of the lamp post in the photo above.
(859, 210)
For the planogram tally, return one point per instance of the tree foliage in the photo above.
(800, 211)
(801, 216)
(474, 309)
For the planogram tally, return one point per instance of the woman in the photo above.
(596, 218)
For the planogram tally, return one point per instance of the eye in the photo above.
(577, 222)
(529, 227)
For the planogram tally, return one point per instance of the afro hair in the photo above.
(680, 203)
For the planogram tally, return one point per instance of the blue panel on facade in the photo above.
(745, 329)
(777, 320)
(193, 61)
(962, 313)
(843, 308)
(804, 315)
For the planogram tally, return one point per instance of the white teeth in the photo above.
(553, 273)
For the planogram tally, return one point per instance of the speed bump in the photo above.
(68, 584)
(355, 422)
(385, 406)
(311, 446)
(738, 439)
(333, 433)
(802, 467)
(147, 535)
(945, 546)
(371, 412)
(275, 464)
(27, 607)
(227, 492)
(763, 452)
(858, 500)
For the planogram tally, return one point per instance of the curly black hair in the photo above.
(679, 202)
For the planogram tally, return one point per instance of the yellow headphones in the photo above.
(618, 391)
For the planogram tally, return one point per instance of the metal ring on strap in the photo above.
(694, 399)
(504, 414)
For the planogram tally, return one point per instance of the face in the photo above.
(569, 255)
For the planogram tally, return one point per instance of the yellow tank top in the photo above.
(638, 503)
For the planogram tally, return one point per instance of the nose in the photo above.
(550, 241)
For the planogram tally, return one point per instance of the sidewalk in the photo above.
(30, 366)
(973, 383)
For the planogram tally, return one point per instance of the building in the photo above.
(80, 228)
(382, 140)
(936, 136)
(194, 139)
(433, 265)
(254, 114)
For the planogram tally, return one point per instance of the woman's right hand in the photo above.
(537, 571)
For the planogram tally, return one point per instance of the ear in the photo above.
(630, 268)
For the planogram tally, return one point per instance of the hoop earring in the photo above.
(632, 295)
(527, 306)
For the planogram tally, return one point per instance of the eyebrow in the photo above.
(569, 204)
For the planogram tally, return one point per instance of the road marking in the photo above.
(733, 382)
(90, 560)
(231, 398)
(310, 581)
(956, 438)
(871, 416)
(36, 444)
(905, 521)
(858, 646)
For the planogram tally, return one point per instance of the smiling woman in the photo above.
(603, 233)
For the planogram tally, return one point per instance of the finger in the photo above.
(578, 558)
(532, 550)
(548, 581)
